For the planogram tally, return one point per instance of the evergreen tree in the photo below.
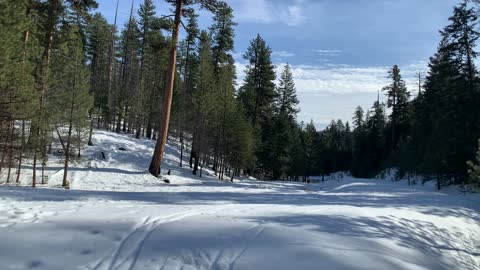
(398, 101)
(375, 144)
(222, 32)
(258, 92)
(205, 97)
(286, 97)
(358, 118)
(284, 125)
(257, 96)
(187, 66)
(70, 98)
(98, 31)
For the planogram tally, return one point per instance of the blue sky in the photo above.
(340, 50)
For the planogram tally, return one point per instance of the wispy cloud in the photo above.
(283, 54)
(328, 53)
(290, 13)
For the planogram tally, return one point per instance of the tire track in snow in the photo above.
(145, 230)
(249, 236)
(258, 230)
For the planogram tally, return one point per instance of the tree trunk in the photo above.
(124, 128)
(181, 148)
(148, 132)
(195, 166)
(34, 177)
(110, 71)
(165, 119)
(192, 153)
(79, 137)
(20, 156)
(43, 173)
(90, 134)
(67, 156)
(139, 129)
(10, 152)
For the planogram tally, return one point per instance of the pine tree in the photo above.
(397, 100)
(375, 143)
(284, 125)
(205, 97)
(98, 31)
(70, 100)
(222, 32)
(286, 98)
(358, 118)
(188, 61)
(258, 92)
(257, 96)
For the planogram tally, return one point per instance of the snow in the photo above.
(117, 216)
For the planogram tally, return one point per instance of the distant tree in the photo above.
(358, 118)
(398, 98)
(286, 97)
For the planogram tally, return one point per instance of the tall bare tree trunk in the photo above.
(165, 119)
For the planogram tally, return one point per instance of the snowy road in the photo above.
(124, 219)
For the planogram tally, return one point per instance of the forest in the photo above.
(66, 72)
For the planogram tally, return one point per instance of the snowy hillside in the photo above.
(117, 216)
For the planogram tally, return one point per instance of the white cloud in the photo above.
(269, 11)
(327, 53)
(283, 54)
(294, 14)
(343, 79)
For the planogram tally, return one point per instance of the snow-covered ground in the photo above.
(119, 217)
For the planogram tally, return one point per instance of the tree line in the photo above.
(64, 70)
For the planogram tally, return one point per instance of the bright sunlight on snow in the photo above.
(118, 216)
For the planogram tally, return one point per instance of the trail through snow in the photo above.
(118, 217)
